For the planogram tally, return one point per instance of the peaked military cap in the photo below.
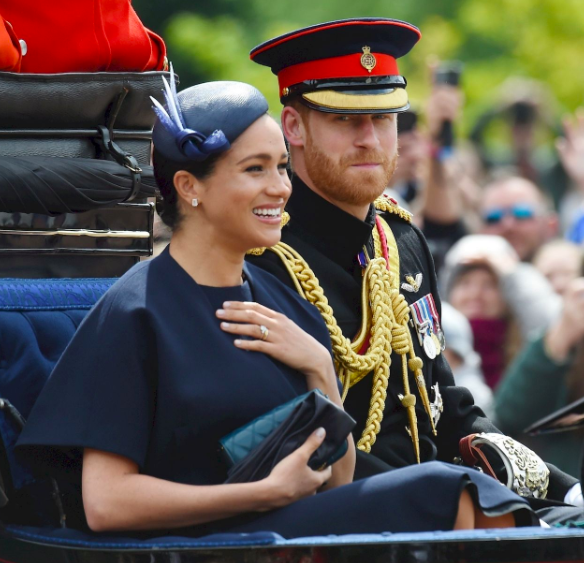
(344, 66)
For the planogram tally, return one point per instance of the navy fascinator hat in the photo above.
(204, 119)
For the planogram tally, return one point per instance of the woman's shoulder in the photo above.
(127, 291)
(138, 284)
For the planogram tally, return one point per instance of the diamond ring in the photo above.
(264, 332)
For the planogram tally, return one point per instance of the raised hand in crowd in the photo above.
(442, 203)
(571, 148)
(568, 330)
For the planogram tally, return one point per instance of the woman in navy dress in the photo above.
(195, 343)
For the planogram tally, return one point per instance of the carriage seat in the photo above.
(38, 317)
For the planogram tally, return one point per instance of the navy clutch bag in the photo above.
(253, 450)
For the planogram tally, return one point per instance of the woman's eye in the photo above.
(255, 168)
(283, 166)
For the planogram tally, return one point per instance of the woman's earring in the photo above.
(195, 202)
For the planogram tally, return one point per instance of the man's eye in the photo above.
(343, 118)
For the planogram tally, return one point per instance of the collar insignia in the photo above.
(413, 284)
(368, 60)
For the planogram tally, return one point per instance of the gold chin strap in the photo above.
(385, 322)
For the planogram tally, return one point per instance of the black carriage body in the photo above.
(60, 116)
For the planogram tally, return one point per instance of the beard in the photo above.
(340, 182)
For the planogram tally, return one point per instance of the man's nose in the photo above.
(366, 134)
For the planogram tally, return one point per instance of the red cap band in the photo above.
(347, 66)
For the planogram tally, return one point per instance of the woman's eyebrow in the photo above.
(261, 156)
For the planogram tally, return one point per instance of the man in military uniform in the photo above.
(356, 255)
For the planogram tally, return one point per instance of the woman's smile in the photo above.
(269, 213)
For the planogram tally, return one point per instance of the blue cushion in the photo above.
(37, 320)
(119, 542)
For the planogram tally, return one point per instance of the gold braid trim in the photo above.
(390, 206)
(385, 322)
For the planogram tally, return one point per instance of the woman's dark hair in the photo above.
(164, 171)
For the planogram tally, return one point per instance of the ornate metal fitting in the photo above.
(437, 405)
(527, 474)
(368, 60)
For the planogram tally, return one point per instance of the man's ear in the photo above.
(293, 126)
(187, 187)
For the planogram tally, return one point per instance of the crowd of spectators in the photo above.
(506, 229)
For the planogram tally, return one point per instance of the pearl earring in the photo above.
(195, 202)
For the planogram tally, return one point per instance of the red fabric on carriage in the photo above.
(95, 36)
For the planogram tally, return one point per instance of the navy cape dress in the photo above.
(150, 376)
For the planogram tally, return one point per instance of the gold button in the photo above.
(285, 91)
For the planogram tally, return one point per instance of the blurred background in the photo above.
(540, 39)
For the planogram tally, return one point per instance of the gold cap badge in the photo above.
(368, 61)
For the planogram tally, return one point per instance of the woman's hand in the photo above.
(292, 479)
(276, 335)
(287, 342)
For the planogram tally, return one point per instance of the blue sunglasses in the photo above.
(519, 212)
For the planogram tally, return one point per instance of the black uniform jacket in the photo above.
(330, 239)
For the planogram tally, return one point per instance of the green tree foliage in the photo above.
(538, 39)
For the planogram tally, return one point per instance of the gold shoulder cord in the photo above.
(385, 322)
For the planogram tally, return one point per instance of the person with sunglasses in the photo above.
(515, 209)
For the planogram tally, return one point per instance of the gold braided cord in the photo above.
(402, 314)
(376, 279)
(388, 205)
(385, 323)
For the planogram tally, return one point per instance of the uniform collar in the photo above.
(340, 235)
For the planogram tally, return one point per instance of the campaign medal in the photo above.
(429, 347)
(425, 320)
(438, 332)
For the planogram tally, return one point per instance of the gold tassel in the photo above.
(416, 365)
